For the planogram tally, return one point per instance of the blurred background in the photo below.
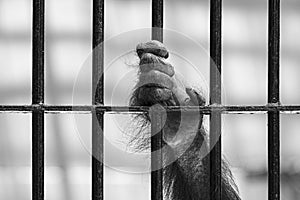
(68, 48)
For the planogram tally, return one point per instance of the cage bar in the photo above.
(156, 155)
(38, 21)
(97, 99)
(38, 51)
(38, 108)
(215, 97)
(157, 19)
(38, 155)
(156, 132)
(273, 98)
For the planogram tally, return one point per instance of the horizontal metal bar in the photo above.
(131, 109)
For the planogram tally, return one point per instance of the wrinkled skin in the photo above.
(183, 134)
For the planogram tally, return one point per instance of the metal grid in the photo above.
(215, 109)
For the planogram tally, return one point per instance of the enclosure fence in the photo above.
(38, 108)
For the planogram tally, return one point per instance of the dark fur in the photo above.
(188, 177)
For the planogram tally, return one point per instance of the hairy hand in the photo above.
(159, 84)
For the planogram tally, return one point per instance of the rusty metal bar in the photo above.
(97, 99)
(215, 97)
(273, 98)
(38, 99)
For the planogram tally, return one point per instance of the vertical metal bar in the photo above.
(215, 97)
(156, 155)
(157, 19)
(156, 121)
(38, 98)
(273, 98)
(38, 155)
(38, 51)
(97, 98)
